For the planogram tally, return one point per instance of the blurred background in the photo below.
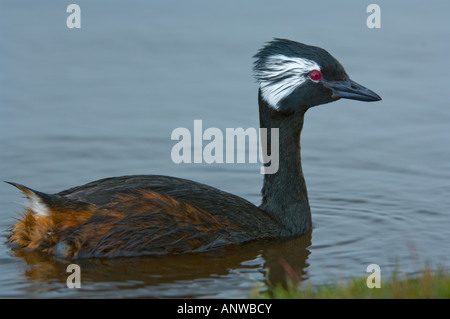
(78, 105)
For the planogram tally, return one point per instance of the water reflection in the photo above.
(190, 275)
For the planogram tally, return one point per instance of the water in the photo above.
(101, 101)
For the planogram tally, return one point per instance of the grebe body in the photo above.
(139, 215)
(152, 214)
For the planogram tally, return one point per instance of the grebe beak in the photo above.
(349, 89)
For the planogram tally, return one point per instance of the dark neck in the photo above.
(284, 194)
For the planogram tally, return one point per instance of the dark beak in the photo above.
(348, 89)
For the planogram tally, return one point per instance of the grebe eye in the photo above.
(315, 75)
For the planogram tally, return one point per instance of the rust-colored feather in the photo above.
(142, 222)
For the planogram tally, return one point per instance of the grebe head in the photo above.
(295, 76)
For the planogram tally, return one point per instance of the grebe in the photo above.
(151, 214)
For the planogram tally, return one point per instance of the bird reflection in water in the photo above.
(268, 263)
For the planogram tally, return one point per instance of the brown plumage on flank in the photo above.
(136, 222)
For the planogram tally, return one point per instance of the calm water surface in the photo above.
(101, 101)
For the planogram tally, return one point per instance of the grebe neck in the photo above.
(284, 194)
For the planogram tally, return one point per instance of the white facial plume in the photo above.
(281, 75)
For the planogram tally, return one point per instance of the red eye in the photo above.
(315, 75)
